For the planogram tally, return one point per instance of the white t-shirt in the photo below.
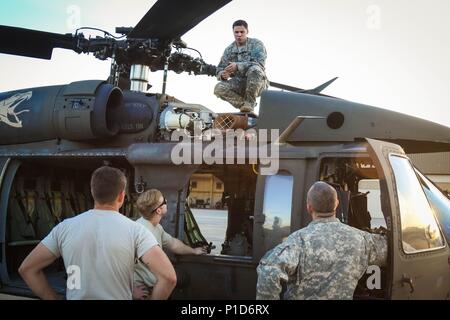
(99, 249)
(141, 273)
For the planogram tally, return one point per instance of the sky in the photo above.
(393, 54)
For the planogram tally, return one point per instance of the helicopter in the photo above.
(53, 138)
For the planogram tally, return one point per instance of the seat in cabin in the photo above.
(31, 219)
(59, 201)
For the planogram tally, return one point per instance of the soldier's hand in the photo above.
(140, 292)
(200, 250)
(380, 230)
(231, 68)
(225, 75)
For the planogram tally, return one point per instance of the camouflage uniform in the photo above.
(250, 79)
(325, 260)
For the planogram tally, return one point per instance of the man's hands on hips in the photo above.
(140, 292)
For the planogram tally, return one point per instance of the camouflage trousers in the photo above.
(238, 90)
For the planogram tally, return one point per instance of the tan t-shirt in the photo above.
(141, 273)
(99, 249)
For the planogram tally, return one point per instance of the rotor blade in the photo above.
(170, 19)
(33, 43)
(285, 87)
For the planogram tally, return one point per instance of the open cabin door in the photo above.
(8, 169)
(3, 208)
(419, 257)
(279, 201)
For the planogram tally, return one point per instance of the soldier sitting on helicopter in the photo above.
(241, 70)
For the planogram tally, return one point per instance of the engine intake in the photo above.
(78, 111)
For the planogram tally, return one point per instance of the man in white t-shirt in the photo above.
(153, 206)
(99, 249)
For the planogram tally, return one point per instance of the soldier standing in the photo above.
(325, 260)
(153, 207)
(241, 70)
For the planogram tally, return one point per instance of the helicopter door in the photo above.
(418, 254)
(3, 166)
(277, 210)
(8, 169)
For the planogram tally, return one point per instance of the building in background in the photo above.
(436, 166)
(206, 192)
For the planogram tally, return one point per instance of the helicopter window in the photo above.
(222, 206)
(420, 231)
(277, 208)
(206, 205)
(439, 202)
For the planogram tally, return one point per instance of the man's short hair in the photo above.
(106, 184)
(322, 197)
(148, 202)
(240, 23)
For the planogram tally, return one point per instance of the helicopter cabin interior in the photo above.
(40, 193)
(358, 187)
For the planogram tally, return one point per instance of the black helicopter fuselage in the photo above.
(45, 179)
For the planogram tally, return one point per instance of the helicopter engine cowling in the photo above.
(79, 111)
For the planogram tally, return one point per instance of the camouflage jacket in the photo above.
(325, 260)
(252, 53)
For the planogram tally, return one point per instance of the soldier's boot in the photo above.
(248, 106)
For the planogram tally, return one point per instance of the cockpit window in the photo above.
(277, 208)
(439, 202)
(420, 231)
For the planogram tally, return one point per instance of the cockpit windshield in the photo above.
(439, 201)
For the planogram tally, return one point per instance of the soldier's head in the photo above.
(151, 203)
(240, 31)
(108, 187)
(322, 200)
